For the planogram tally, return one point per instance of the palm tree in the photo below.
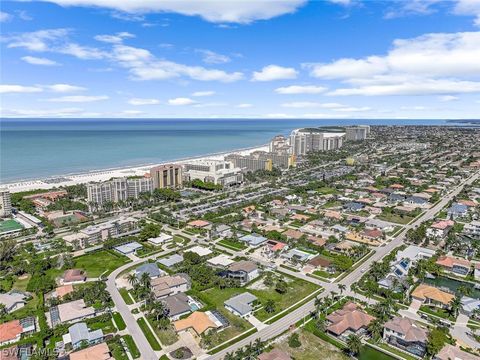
(270, 306)
(342, 288)
(132, 279)
(455, 305)
(375, 328)
(354, 344)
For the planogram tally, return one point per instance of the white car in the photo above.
(363, 270)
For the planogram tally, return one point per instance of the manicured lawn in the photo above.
(119, 321)
(125, 295)
(297, 290)
(100, 262)
(132, 347)
(325, 274)
(149, 335)
(236, 245)
(213, 299)
(101, 322)
(441, 313)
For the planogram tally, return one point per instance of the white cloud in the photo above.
(83, 52)
(39, 61)
(138, 101)
(412, 87)
(411, 7)
(41, 112)
(78, 98)
(447, 98)
(63, 88)
(40, 40)
(244, 106)
(203, 93)
(438, 54)
(4, 16)
(469, 8)
(211, 57)
(311, 104)
(144, 66)
(353, 109)
(217, 11)
(210, 104)
(437, 63)
(180, 101)
(300, 89)
(114, 39)
(274, 72)
(131, 112)
(8, 89)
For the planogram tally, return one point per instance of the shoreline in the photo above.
(55, 181)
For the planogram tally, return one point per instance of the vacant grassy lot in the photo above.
(236, 245)
(297, 290)
(100, 262)
(395, 218)
(311, 348)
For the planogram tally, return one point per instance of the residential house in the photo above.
(73, 276)
(472, 229)
(253, 240)
(171, 261)
(406, 335)
(349, 319)
(457, 210)
(353, 206)
(321, 263)
(62, 291)
(177, 305)
(454, 265)
(385, 226)
(469, 306)
(244, 271)
(440, 229)
(297, 256)
(198, 224)
(79, 336)
(70, 312)
(200, 250)
(170, 285)
(13, 300)
(96, 352)
(151, 269)
(11, 331)
(220, 261)
(160, 239)
(273, 248)
(450, 352)
(129, 248)
(241, 304)
(293, 234)
(432, 296)
(199, 322)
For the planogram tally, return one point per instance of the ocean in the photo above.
(41, 148)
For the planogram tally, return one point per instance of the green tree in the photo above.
(436, 341)
(270, 306)
(294, 341)
(354, 344)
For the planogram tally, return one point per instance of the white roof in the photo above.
(222, 260)
(161, 238)
(200, 250)
(128, 248)
(412, 252)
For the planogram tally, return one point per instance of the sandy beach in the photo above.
(106, 174)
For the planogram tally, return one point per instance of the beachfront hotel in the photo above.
(166, 176)
(357, 133)
(306, 140)
(219, 172)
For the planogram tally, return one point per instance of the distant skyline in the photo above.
(241, 59)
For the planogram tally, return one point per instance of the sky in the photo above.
(327, 59)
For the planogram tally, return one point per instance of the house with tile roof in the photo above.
(199, 322)
(450, 352)
(170, 285)
(406, 335)
(97, 352)
(431, 295)
(454, 265)
(350, 319)
(10, 332)
(440, 229)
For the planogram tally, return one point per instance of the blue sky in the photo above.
(254, 59)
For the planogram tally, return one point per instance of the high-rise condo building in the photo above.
(166, 176)
(118, 189)
(357, 133)
(280, 145)
(306, 140)
(5, 203)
